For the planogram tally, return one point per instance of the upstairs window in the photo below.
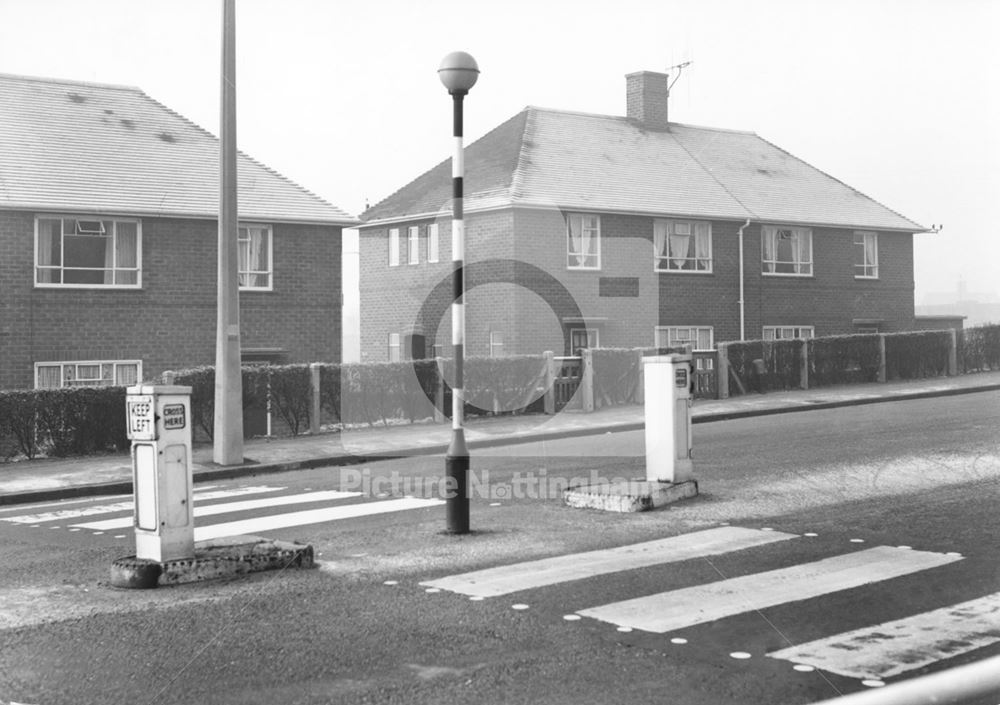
(413, 245)
(865, 255)
(87, 252)
(107, 373)
(682, 246)
(433, 243)
(255, 257)
(583, 241)
(699, 337)
(787, 251)
(788, 332)
(393, 247)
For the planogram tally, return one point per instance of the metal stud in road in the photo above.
(458, 73)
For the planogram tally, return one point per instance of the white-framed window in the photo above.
(433, 243)
(682, 246)
(394, 348)
(583, 241)
(92, 373)
(786, 251)
(865, 255)
(787, 332)
(583, 338)
(413, 245)
(255, 248)
(699, 337)
(496, 343)
(88, 251)
(393, 247)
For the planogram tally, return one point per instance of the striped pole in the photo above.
(458, 73)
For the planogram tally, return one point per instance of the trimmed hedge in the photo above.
(767, 365)
(617, 373)
(63, 422)
(917, 355)
(979, 348)
(843, 359)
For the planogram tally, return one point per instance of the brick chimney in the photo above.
(646, 95)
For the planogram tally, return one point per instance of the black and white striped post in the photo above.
(458, 73)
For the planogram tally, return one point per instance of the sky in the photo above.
(900, 99)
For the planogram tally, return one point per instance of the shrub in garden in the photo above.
(916, 354)
(843, 359)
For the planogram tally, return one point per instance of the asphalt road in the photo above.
(923, 474)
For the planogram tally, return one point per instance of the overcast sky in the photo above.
(898, 98)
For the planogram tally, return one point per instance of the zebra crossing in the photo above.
(870, 654)
(268, 503)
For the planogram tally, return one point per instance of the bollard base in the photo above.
(629, 495)
(213, 560)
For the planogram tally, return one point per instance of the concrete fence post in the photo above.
(549, 402)
(640, 384)
(439, 393)
(168, 377)
(587, 379)
(314, 397)
(722, 371)
(804, 365)
(882, 376)
(953, 353)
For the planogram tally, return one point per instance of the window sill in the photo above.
(787, 275)
(93, 287)
(861, 278)
(583, 269)
(683, 271)
(259, 290)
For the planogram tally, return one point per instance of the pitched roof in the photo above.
(86, 147)
(604, 163)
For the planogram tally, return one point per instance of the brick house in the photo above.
(586, 230)
(108, 235)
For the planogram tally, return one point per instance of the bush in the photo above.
(779, 367)
(843, 359)
(979, 348)
(63, 422)
(917, 354)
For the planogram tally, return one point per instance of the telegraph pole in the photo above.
(228, 434)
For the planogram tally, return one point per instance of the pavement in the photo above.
(48, 479)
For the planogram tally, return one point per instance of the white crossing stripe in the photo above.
(64, 514)
(895, 647)
(311, 516)
(228, 507)
(686, 607)
(549, 571)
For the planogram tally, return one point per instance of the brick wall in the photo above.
(170, 322)
(831, 300)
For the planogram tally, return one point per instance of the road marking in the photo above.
(311, 516)
(559, 569)
(228, 507)
(686, 607)
(128, 506)
(892, 648)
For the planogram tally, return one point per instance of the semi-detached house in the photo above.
(108, 235)
(596, 230)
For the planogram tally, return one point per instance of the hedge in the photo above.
(63, 422)
(979, 348)
(916, 355)
(843, 359)
(779, 367)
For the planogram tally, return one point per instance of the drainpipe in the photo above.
(743, 333)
